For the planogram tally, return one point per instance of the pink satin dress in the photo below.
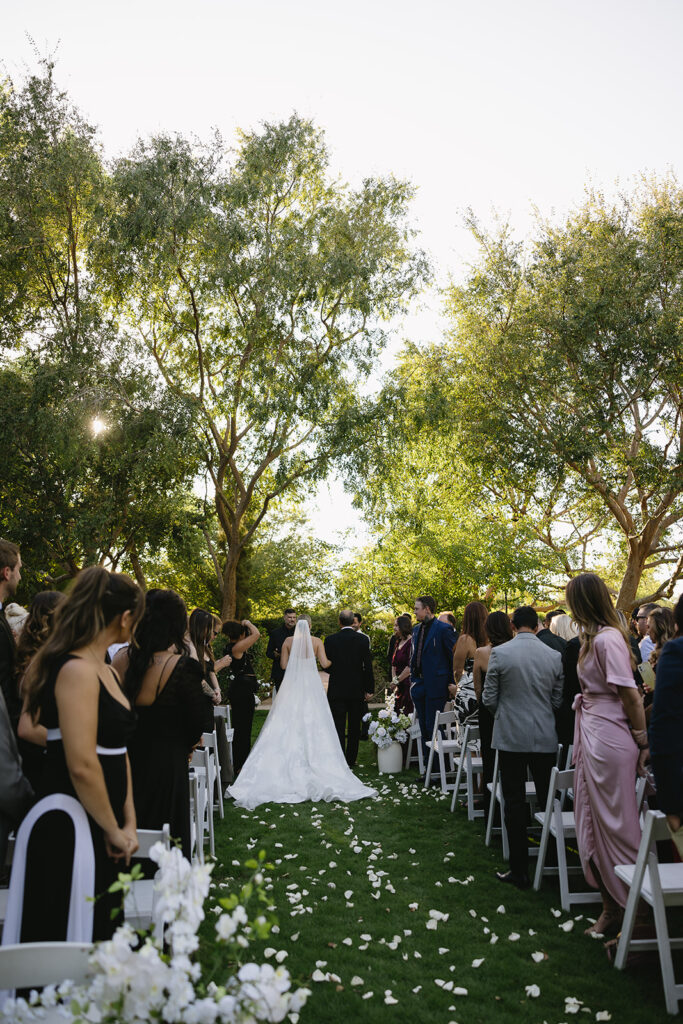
(605, 758)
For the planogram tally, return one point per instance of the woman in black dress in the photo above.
(164, 684)
(69, 689)
(204, 628)
(242, 686)
(35, 631)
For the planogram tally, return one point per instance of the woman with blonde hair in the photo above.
(610, 746)
(563, 626)
(84, 823)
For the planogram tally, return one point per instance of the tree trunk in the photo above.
(229, 597)
(137, 568)
(626, 599)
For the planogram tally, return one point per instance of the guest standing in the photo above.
(243, 686)
(37, 628)
(71, 691)
(10, 577)
(351, 682)
(473, 635)
(275, 644)
(164, 684)
(523, 687)
(498, 631)
(400, 664)
(644, 642)
(666, 730)
(431, 665)
(610, 745)
(204, 627)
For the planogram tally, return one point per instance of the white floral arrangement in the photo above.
(389, 727)
(138, 979)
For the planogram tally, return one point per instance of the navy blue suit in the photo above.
(666, 728)
(429, 688)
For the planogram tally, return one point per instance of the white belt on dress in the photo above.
(56, 734)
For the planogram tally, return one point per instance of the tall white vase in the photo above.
(390, 759)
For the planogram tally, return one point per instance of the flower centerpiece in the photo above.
(138, 978)
(388, 731)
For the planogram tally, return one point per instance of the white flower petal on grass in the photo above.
(555, 913)
(500, 909)
(513, 937)
(566, 926)
(432, 925)
(448, 987)
(603, 1015)
(418, 988)
(366, 938)
(532, 991)
(472, 913)
(494, 939)
(348, 894)
(363, 947)
(531, 931)
(440, 982)
(318, 976)
(268, 952)
(478, 962)
(355, 980)
(321, 963)
(459, 991)
(572, 1004)
(538, 957)
(368, 995)
(347, 942)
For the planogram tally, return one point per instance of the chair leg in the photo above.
(492, 803)
(562, 870)
(442, 770)
(663, 941)
(503, 829)
(542, 851)
(633, 897)
(430, 761)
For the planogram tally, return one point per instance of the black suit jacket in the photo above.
(275, 642)
(8, 670)
(552, 640)
(351, 670)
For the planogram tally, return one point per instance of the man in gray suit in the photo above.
(523, 687)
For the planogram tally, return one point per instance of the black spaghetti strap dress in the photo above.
(49, 859)
(165, 733)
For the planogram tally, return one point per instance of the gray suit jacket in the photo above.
(523, 684)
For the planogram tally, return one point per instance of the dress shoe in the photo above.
(519, 881)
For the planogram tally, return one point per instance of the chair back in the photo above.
(34, 964)
(147, 837)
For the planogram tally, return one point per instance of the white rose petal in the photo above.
(603, 1015)
(347, 942)
(538, 957)
(479, 962)
(513, 937)
(494, 939)
(500, 909)
(459, 991)
(318, 976)
(432, 925)
(556, 913)
(532, 991)
(355, 980)
(566, 926)
(368, 995)
(418, 988)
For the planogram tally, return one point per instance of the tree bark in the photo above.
(137, 568)
(229, 595)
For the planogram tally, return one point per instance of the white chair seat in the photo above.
(670, 880)
(568, 824)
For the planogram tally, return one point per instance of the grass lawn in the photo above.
(420, 858)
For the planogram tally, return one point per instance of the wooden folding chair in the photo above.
(660, 885)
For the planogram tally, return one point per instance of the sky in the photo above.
(483, 104)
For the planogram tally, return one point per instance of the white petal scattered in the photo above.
(268, 952)
(281, 956)
(603, 1015)
(432, 925)
(355, 980)
(532, 991)
(459, 991)
(513, 937)
(556, 913)
(494, 939)
(500, 909)
(566, 926)
(479, 962)
(572, 1004)
(318, 976)
(442, 950)
(368, 995)
(347, 942)
(538, 957)
(418, 988)
(440, 982)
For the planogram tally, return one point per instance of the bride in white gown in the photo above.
(297, 755)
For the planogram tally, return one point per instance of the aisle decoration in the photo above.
(138, 978)
(389, 727)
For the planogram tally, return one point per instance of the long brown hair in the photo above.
(95, 599)
(37, 627)
(499, 628)
(591, 607)
(474, 622)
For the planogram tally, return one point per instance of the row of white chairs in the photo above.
(458, 756)
(206, 783)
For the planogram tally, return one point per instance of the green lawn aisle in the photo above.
(359, 890)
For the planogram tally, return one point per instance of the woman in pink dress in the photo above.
(610, 747)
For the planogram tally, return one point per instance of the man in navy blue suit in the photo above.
(431, 665)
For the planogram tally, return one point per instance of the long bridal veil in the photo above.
(297, 755)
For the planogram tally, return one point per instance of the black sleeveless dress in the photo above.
(165, 733)
(49, 859)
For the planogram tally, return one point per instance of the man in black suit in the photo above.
(275, 642)
(351, 682)
(10, 575)
(550, 639)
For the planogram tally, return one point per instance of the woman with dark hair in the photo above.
(164, 684)
(70, 690)
(498, 631)
(400, 665)
(473, 635)
(204, 627)
(661, 627)
(242, 687)
(32, 738)
(610, 746)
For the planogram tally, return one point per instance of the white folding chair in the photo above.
(470, 764)
(560, 824)
(660, 885)
(204, 805)
(196, 825)
(215, 788)
(496, 789)
(4, 891)
(139, 903)
(445, 744)
(35, 964)
(225, 734)
(415, 738)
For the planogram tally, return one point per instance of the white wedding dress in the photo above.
(297, 755)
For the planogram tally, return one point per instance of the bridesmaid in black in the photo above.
(71, 691)
(204, 628)
(242, 686)
(164, 685)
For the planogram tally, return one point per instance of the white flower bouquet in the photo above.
(389, 727)
(153, 977)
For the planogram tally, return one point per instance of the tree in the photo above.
(262, 290)
(567, 388)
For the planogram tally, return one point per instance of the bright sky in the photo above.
(483, 103)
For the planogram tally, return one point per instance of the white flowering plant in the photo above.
(137, 978)
(390, 726)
